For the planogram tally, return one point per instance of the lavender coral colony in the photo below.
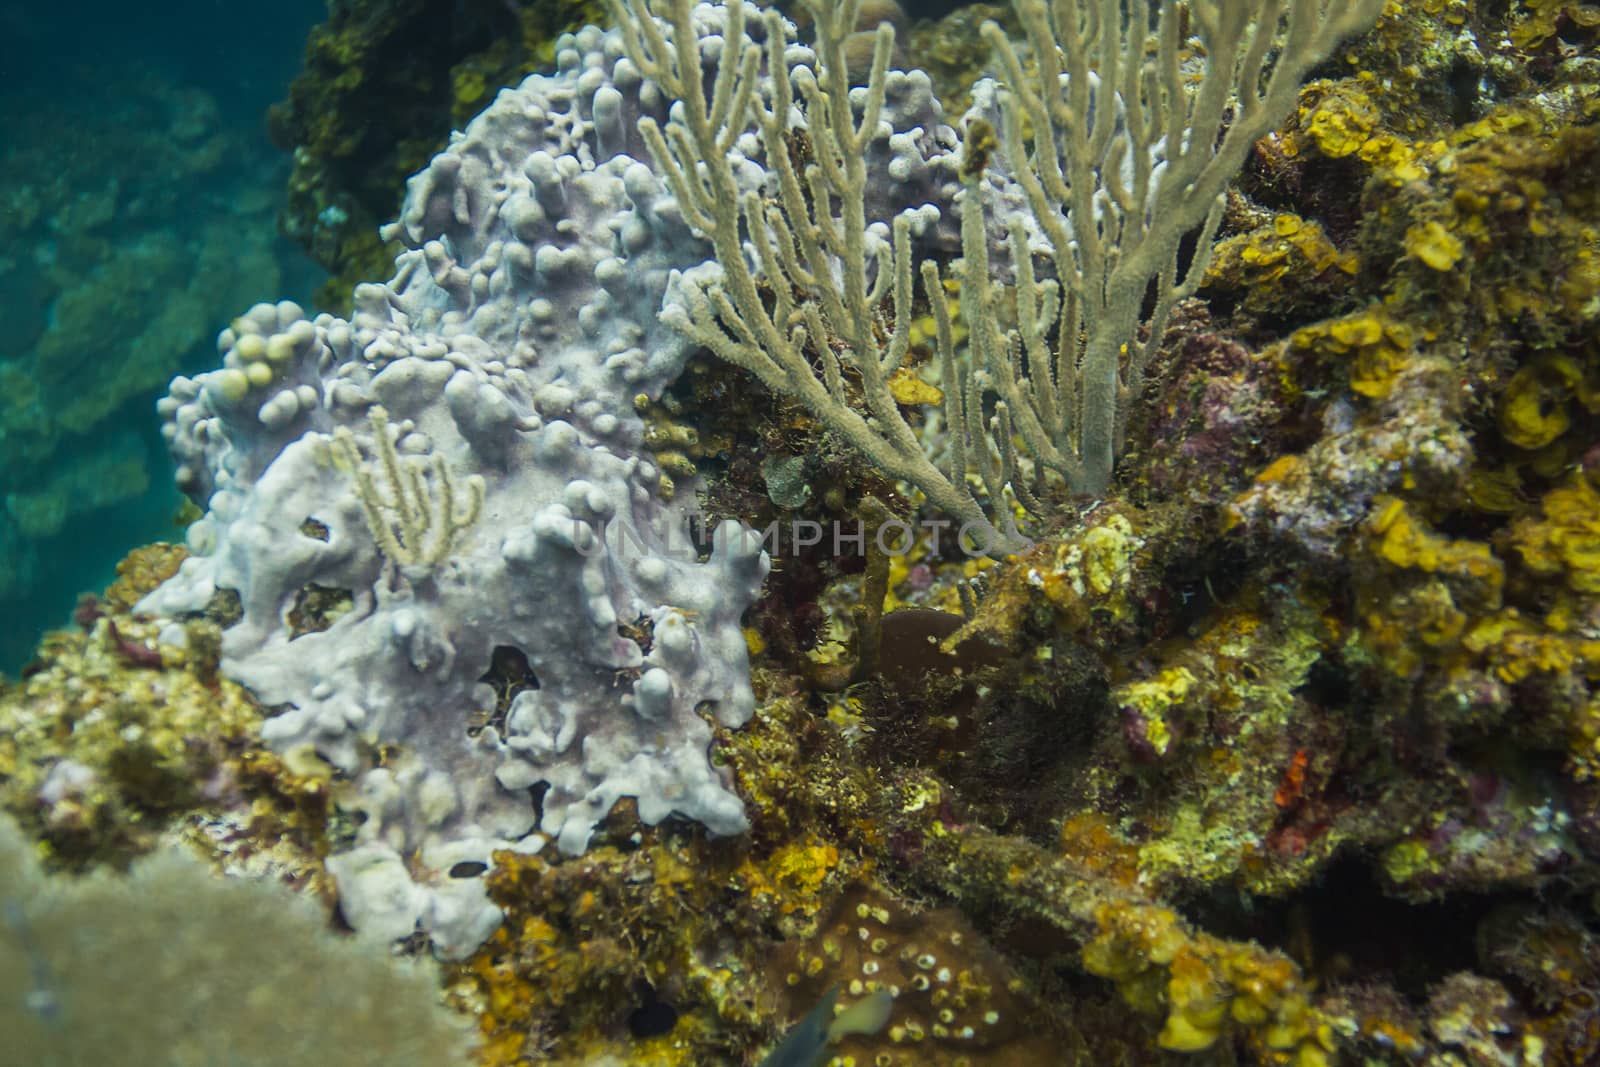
(462, 461)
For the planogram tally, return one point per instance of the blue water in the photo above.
(138, 204)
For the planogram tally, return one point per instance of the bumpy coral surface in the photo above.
(383, 83)
(139, 968)
(508, 505)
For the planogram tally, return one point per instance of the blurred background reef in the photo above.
(138, 204)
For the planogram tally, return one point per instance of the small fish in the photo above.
(807, 1044)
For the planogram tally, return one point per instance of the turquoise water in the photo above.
(139, 198)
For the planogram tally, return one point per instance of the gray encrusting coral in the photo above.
(508, 354)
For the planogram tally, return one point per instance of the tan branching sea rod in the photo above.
(1112, 180)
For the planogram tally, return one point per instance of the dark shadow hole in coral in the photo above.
(928, 9)
(536, 793)
(414, 946)
(1571, 31)
(1193, 587)
(315, 529)
(316, 608)
(641, 631)
(468, 869)
(1464, 82)
(225, 607)
(1328, 685)
(272, 711)
(679, 828)
(1335, 67)
(509, 673)
(653, 1017)
(1466, 525)
(1344, 926)
(1147, 307)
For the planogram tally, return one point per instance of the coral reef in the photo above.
(1284, 751)
(385, 81)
